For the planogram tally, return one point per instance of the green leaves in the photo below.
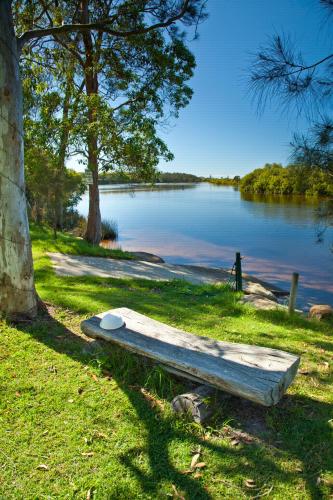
(294, 179)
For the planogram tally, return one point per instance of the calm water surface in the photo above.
(206, 224)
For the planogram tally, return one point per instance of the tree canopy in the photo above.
(131, 67)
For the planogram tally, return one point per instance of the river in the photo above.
(206, 224)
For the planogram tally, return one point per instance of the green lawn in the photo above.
(82, 419)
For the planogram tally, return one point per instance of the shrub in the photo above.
(109, 229)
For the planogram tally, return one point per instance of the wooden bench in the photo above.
(256, 373)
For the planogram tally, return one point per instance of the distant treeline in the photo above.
(114, 178)
(224, 181)
(273, 178)
(294, 179)
(123, 178)
(178, 177)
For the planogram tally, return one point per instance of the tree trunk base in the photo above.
(29, 316)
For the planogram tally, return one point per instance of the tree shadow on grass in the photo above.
(161, 299)
(298, 425)
(327, 346)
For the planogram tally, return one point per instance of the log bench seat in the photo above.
(259, 374)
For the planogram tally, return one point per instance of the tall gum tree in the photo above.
(129, 82)
(17, 292)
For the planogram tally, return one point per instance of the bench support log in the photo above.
(198, 403)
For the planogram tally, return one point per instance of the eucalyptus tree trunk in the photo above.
(93, 231)
(17, 291)
(94, 226)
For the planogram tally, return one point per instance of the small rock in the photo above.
(148, 257)
(257, 289)
(260, 302)
(321, 311)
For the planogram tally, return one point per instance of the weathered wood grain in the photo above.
(256, 373)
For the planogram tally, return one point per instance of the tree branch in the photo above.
(102, 25)
(137, 98)
(305, 68)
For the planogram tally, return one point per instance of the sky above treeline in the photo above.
(220, 133)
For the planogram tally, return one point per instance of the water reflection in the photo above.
(132, 188)
(291, 208)
(281, 199)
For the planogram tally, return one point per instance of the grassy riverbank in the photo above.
(81, 419)
(43, 241)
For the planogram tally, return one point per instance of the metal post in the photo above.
(238, 267)
(293, 293)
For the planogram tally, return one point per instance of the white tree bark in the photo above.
(17, 291)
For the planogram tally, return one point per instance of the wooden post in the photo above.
(238, 267)
(293, 293)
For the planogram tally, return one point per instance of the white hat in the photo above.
(111, 322)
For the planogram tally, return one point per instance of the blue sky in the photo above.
(220, 132)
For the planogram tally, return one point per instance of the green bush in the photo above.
(293, 179)
(109, 230)
(78, 225)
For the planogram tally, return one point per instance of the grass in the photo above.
(42, 239)
(83, 419)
